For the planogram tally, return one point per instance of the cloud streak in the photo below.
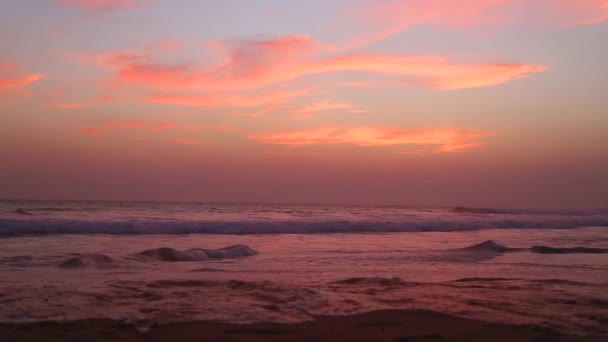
(385, 18)
(258, 64)
(440, 140)
(91, 131)
(226, 99)
(105, 5)
(11, 79)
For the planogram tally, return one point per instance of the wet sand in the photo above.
(386, 325)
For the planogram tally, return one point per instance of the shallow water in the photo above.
(295, 276)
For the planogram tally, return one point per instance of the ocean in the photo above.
(153, 263)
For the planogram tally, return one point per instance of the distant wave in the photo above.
(568, 250)
(197, 254)
(475, 210)
(493, 246)
(372, 281)
(33, 225)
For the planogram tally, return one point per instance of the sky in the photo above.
(491, 103)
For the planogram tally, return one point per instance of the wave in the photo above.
(440, 223)
(197, 254)
(475, 210)
(488, 245)
(371, 281)
(568, 250)
(476, 279)
(22, 211)
(87, 260)
(475, 253)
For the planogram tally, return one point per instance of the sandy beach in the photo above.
(387, 325)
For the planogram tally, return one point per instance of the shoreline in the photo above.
(383, 325)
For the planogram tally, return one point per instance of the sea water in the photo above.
(150, 262)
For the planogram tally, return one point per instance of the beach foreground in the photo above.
(385, 325)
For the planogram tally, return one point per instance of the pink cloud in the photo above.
(68, 105)
(105, 5)
(11, 79)
(125, 124)
(225, 99)
(441, 140)
(91, 131)
(258, 64)
(385, 18)
(321, 106)
(106, 98)
(308, 110)
(190, 142)
(261, 112)
(163, 126)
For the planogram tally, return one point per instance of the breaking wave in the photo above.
(22, 211)
(87, 260)
(487, 246)
(197, 254)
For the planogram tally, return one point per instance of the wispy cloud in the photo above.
(385, 18)
(322, 106)
(11, 78)
(190, 142)
(260, 112)
(105, 5)
(91, 131)
(227, 99)
(159, 126)
(126, 124)
(68, 105)
(257, 64)
(440, 140)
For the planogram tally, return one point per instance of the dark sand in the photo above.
(388, 325)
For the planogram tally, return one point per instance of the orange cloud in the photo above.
(442, 140)
(258, 64)
(105, 5)
(9, 79)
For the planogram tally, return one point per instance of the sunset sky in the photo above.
(411, 102)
